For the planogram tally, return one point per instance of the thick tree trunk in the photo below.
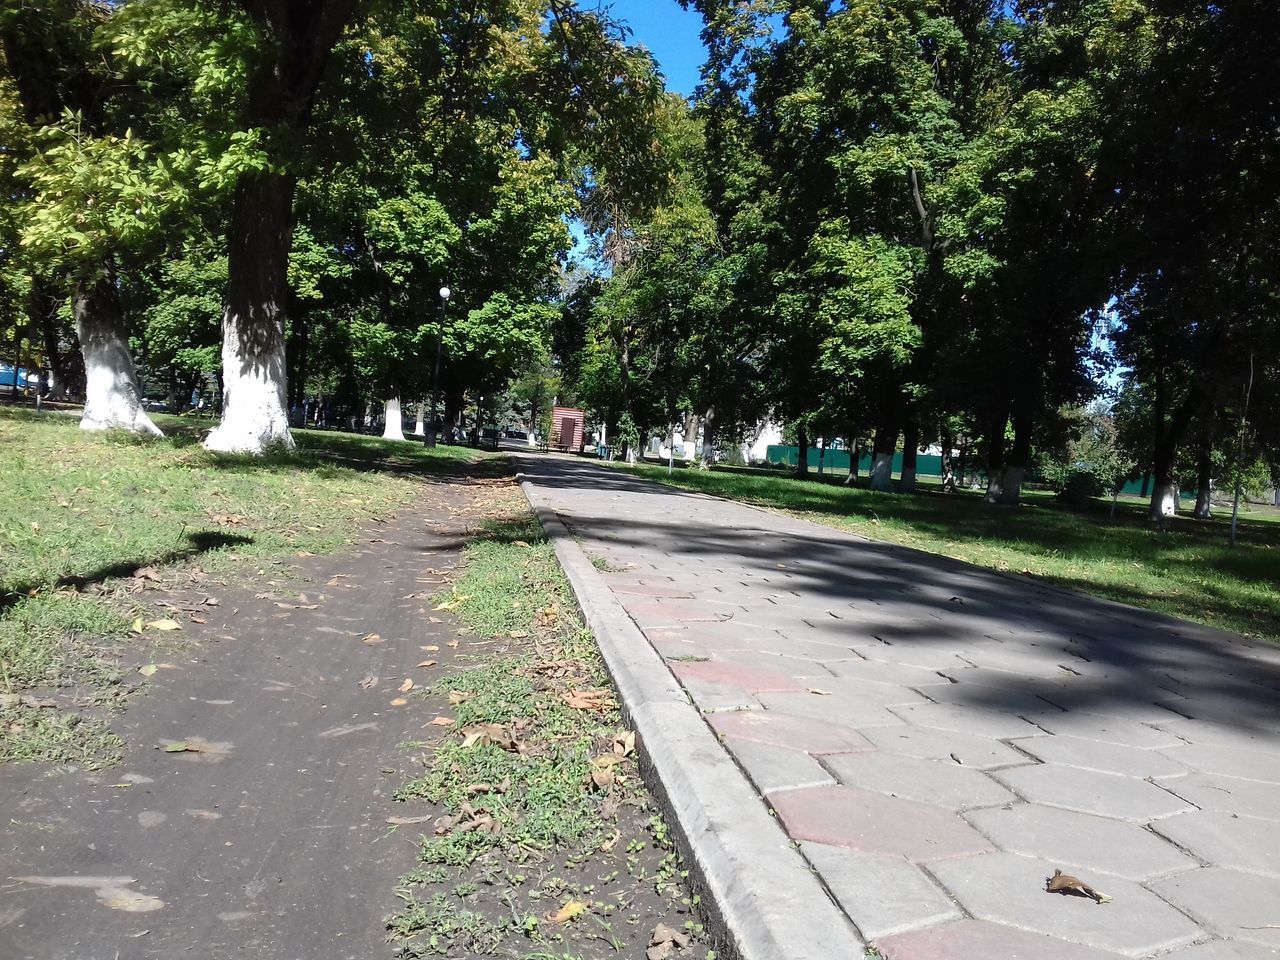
(802, 453)
(995, 460)
(254, 414)
(709, 437)
(392, 427)
(854, 453)
(420, 421)
(1019, 458)
(112, 398)
(1164, 495)
(882, 449)
(948, 477)
(1204, 469)
(910, 452)
(1146, 485)
(44, 308)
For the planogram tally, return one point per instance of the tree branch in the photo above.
(926, 227)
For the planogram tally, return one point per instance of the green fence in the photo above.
(837, 461)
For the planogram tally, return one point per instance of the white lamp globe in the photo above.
(445, 293)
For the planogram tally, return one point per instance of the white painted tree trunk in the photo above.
(882, 471)
(255, 417)
(419, 426)
(393, 427)
(112, 398)
(995, 486)
(1011, 486)
(1165, 497)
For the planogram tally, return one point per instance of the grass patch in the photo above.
(82, 511)
(1187, 570)
(541, 806)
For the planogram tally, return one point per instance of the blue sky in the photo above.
(671, 35)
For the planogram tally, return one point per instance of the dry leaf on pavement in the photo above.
(406, 686)
(371, 638)
(1066, 884)
(442, 722)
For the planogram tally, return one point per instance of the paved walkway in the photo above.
(939, 739)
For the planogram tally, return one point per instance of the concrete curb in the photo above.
(763, 900)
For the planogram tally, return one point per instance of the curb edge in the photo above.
(762, 899)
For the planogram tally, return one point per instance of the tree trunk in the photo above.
(802, 452)
(393, 426)
(419, 424)
(910, 452)
(995, 459)
(1019, 458)
(1204, 469)
(44, 309)
(948, 478)
(17, 359)
(254, 414)
(112, 398)
(882, 449)
(1164, 495)
(709, 437)
(854, 453)
(1146, 485)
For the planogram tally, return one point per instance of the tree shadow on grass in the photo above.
(197, 543)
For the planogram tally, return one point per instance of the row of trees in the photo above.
(954, 222)
(273, 193)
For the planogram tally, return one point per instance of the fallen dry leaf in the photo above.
(598, 700)
(165, 624)
(148, 669)
(407, 821)
(399, 702)
(1068, 885)
(427, 663)
(566, 913)
(371, 638)
(460, 696)
(368, 682)
(442, 722)
(624, 744)
(406, 686)
(430, 648)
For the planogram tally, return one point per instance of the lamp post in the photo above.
(430, 440)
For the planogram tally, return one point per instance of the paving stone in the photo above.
(985, 697)
(715, 697)
(1227, 840)
(1222, 735)
(985, 723)
(926, 656)
(1239, 906)
(788, 645)
(1079, 841)
(1095, 726)
(701, 637)
(778, 768)
(1007, 888)
(893, 673)
(738, 675)
(881, 895)
(876, 824)
(1231, 762)
(979, 940)
(657, 613)
(936, 782)
(1104, 757)
(863, 691)
(930, 743)
(1223, 950)
(785, 730)
(642, 589)
(1208, 791)
(1087, 791)
(837, 707)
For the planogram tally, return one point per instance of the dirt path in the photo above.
(270, 840)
